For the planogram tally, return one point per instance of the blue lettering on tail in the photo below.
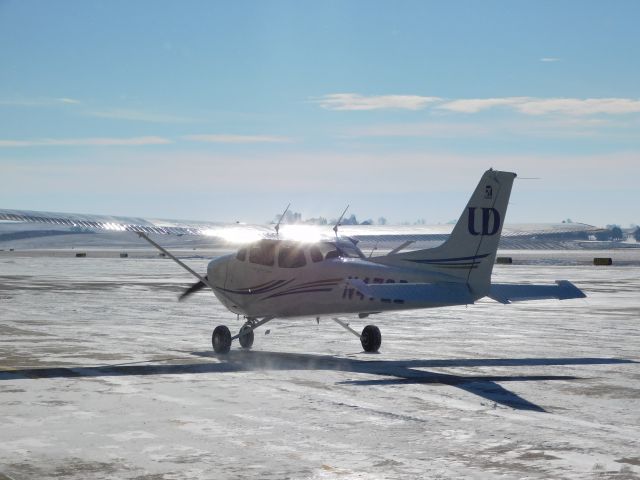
(488, 228)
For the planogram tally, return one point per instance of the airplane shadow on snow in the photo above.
(385, 372)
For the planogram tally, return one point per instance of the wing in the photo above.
(380, 236)
(230, 232)
(507, 293)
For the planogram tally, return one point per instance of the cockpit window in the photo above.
(332, 254)
(263, 253)
(329, 250)
(242, 254)
(291, 256)
(349, 251)
(315, 254)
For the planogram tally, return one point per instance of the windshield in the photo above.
(329, 250)
(349, 251)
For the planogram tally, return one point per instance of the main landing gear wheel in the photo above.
(371, 338)
(221, 339)
(246, 337)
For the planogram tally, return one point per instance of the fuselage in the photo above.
(287, 279)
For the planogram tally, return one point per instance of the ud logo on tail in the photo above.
(487, 215)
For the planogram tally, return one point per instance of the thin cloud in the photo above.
(139, 116)
(355, 102)
(545, 106)
(38, 102)
(474, 105)
(524, 105)
(420, 130)
(85, 142)
(576, 106)
(550, 59)
(561, 127)
(226, 138)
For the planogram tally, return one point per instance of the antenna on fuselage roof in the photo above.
(277, 227)
(335, 227)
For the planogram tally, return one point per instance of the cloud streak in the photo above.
(523, 105)
(547, 106)
(85, 142)
(355, 102)
(38, 102)
(139, 116)
(228, 138)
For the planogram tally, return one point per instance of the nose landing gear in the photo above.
(221, 338)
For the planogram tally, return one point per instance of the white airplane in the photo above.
(283, 278)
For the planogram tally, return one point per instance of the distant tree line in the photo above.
(296, 218)
(610, 233)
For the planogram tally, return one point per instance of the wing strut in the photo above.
(346, 326)
(175, 259)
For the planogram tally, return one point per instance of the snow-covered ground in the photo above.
(103, 374)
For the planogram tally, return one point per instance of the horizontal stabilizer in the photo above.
(430, 293)
(507, 293)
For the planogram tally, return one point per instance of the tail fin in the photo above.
(469, 252)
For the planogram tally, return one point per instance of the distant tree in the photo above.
(616, 233)
(382, 221)
(421, 221)
(367, 222)
(316, 221)
(636, 234)
(352, 220)
(289, 217)
(613, 232)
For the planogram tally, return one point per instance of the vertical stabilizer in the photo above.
(470, 251)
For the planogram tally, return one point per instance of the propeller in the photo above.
(196, 287)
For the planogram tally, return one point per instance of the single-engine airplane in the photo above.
(282, 278)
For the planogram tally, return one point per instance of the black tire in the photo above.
(221, 339)
(246, 339)
(371, 338)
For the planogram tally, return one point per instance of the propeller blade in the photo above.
(192, 289)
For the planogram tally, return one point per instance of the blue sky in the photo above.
(230, 110)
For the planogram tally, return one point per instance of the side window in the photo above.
(315, 254)
(332, 254)
(242, 254)
(291, 257)
(263, 253)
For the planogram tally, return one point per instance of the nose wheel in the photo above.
(246, 337)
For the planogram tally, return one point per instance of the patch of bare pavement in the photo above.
(103, 374)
